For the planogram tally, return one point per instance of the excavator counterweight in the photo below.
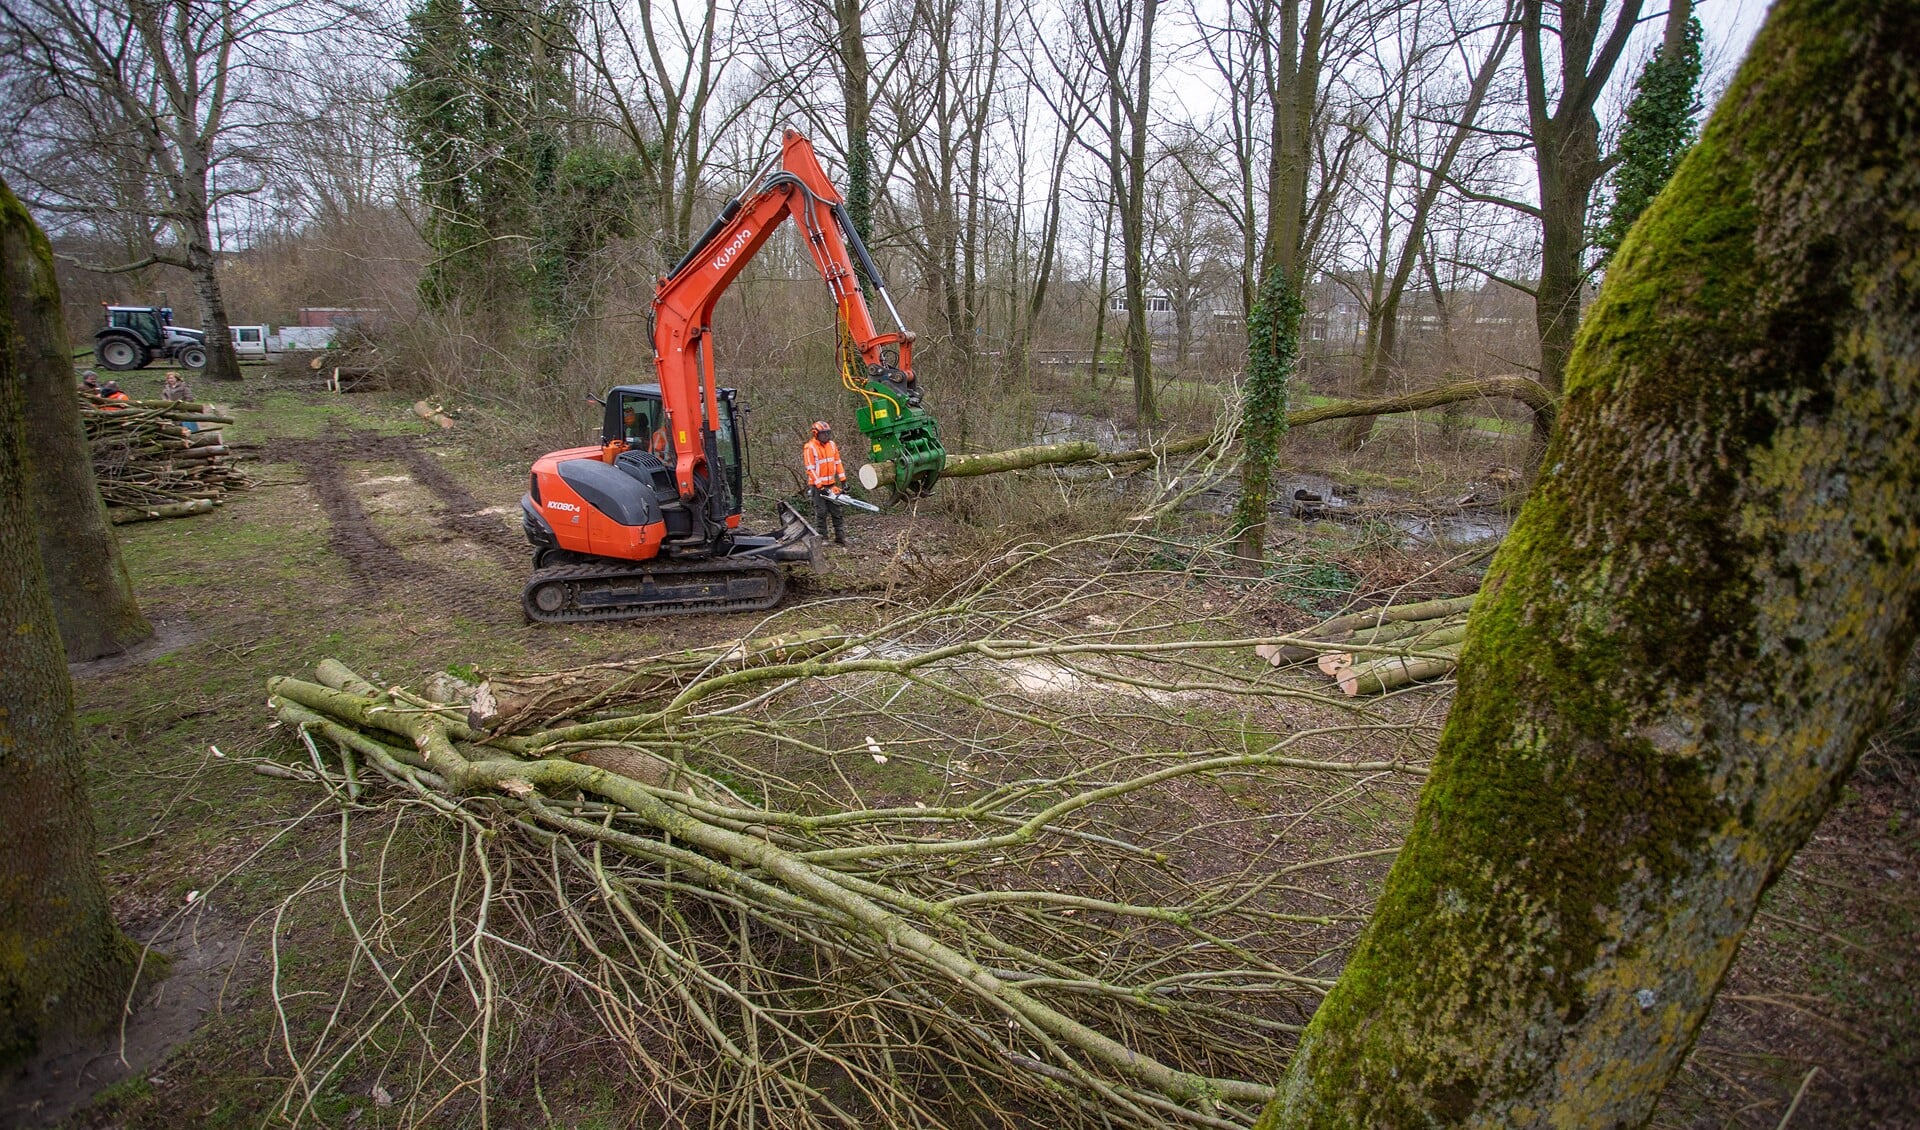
(647, 523)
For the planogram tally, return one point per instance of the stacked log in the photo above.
(150, 464)
(1382, 649)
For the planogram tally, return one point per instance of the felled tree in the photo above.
(1694, 626)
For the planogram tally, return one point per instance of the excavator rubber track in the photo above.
(582, 593)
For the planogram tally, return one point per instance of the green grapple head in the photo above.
(899, 431)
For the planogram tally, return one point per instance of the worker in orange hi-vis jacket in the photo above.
(826, 477)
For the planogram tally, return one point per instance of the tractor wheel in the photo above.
(194, 356)
(120, 354)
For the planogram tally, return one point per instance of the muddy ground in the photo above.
(396, 549)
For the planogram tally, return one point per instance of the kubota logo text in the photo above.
(732, 249)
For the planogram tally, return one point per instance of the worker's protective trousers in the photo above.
(823, 511)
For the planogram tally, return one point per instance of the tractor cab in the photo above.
(144, 322)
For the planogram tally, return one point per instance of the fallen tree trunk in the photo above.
(1428, 635)
(124, 516)
(1341, 629)
(1394, 671)
(510, 700)
(1526, 390)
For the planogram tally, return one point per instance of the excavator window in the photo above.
(728, 441)
(643, 425)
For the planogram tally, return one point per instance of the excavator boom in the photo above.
(876, 366)
(647, 523)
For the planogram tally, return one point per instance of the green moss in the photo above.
(1631, 682)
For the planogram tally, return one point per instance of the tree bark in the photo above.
(856, 91)
(64, 966)
(1698, 620)
(92, 594)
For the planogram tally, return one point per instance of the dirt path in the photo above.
(370, 555)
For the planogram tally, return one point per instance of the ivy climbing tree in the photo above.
(1273, 350)
(486, 107)
(437, 107)
(596, 192)
(1660, 125)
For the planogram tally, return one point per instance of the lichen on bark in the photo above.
(1695, 624)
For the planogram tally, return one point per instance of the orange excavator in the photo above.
(647, 522)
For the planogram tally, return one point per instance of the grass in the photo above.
(255, 589)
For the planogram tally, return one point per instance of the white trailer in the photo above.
(262, 342)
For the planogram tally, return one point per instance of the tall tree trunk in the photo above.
(1133, 228)
(64, 966)
(1568, 168)
(1272, 351)
(92, 595)
(1103, 297)
(203, 260)
(1567, 164)
(1698, 620)
(856, 91)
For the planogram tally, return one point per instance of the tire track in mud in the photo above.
(369, 556)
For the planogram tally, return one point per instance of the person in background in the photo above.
(90, 382)
(111, 392)
(826, 477)
(175, 388)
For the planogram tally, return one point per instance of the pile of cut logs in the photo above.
(150, 465)
(1382, 649)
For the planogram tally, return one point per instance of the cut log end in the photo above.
(1334, 662)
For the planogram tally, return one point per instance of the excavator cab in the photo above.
(637, 416)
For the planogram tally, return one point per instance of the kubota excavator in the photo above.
(647, 523)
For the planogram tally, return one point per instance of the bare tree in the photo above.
(142, 109)
(1579, 41)
(1116, 41)
(1288, 45)
(1420, 132)
(1182, 230)
(947, 87)
(662, 72)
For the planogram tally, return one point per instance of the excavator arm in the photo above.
(876, 366)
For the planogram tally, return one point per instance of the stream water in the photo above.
(1325, 500)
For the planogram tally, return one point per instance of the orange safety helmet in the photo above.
(821, 426)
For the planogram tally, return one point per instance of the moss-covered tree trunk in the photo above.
(1695, 624)
(64, 967)
(92, 595)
